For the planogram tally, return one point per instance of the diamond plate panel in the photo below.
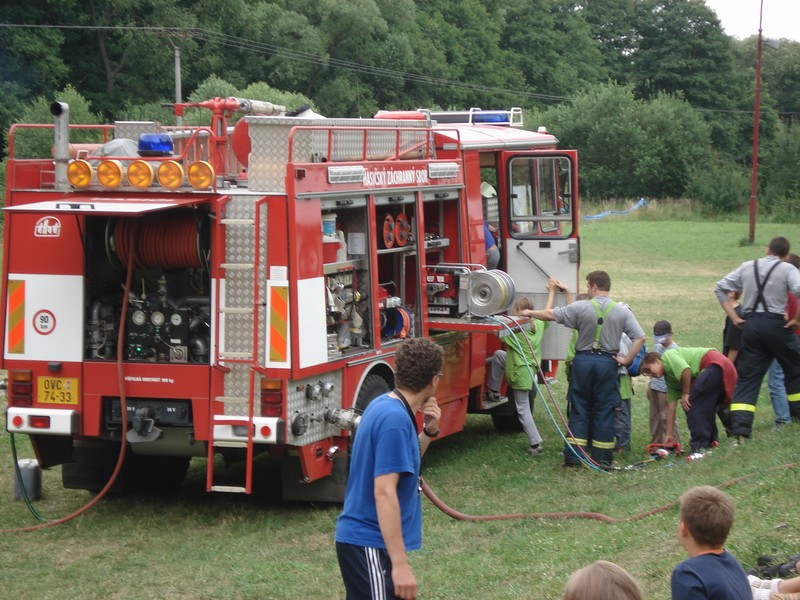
(262, 287)
(237, 387)
(298, 403)
(269, 151)
(133, 129)
(240, 249)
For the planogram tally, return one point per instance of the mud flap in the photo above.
(326, 489)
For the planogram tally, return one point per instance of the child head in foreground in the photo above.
(602, 580)
(706, 519)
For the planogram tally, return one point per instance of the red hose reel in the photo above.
(396, 230)
(168, 240)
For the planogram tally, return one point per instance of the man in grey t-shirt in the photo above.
(593, 389)
(767, 332)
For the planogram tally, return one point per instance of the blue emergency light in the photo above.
(155, 144)
(496, 118)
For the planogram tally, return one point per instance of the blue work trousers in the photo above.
(593, 398)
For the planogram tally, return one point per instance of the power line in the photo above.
(323, 61)
(298, 55)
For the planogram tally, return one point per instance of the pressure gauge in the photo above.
(157, 318)
(176, 319)
(138, 317)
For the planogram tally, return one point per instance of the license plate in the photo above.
(57, 390)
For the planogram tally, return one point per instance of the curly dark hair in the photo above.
(417, 361)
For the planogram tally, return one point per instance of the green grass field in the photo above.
(196, 545)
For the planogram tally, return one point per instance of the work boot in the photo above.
(535, 450)
(789, 568)
(779, 571)
(491, 395)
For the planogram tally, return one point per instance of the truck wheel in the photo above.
(154, 474)
(373, 386)
(93, 465)
(505, 419)
(506, 423)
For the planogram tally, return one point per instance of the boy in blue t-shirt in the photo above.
(710, 572)
(382, 515)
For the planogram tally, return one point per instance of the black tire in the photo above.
(506, 423)
(154, 474)
(373, 386)
(93, 465)
(505, 418)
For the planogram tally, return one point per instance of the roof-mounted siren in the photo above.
(476, 116)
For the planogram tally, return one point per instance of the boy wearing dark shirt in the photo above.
(710, 572)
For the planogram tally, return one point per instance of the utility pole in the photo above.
(174, 36)
(176, 50)
(178, 92)
(756, 121)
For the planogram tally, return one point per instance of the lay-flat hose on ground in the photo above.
(460, 516)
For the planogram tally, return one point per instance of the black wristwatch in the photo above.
(428, 433)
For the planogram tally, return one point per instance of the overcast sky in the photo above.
(780, 19)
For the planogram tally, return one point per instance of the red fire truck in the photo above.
(232, 292)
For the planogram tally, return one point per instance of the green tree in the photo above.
(675, 141)
(602, 125)
(780, 72)
(30, 59)
(552, 46)
(263, 91)
(126, 48)
(612, 26)
(683, 49)
(630, 147)
(37, 143)
(780, 166)
(718, 185)
(302, 48)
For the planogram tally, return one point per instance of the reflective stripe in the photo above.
(744, 407)
(793, 397)
(16, 316)
(603, 445)
(279, 324)
(577, 441)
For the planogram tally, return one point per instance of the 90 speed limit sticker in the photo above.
(44, 322)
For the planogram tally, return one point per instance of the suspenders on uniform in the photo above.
(601, 317)
(760, 285)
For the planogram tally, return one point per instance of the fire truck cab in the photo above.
(238, 292)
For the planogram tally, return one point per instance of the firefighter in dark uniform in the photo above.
(594, 388)
(767, 333)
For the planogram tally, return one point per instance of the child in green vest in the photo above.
(519, 362)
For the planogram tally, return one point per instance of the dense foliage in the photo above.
(651, 92)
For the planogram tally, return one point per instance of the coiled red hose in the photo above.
(164, 240)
